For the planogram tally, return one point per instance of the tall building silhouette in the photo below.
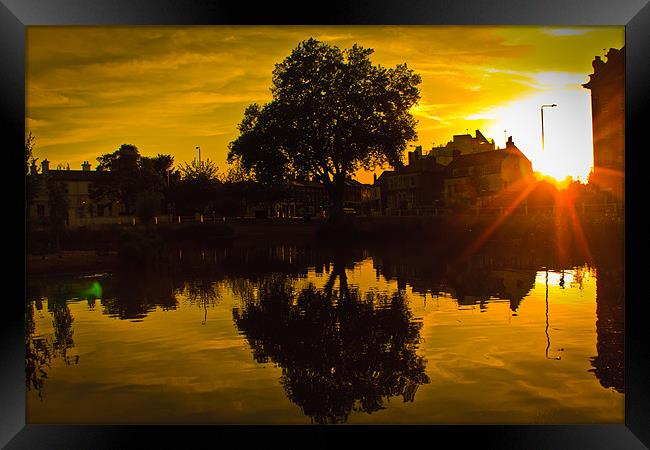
(607, 85)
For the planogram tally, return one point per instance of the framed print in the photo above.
(418, 218)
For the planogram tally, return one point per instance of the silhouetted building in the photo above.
(607, 85)
(82, 210)
(413, 189)
(487, 178)
(302, 199)
(358, 197)
(375, 201)
(307, 198)
(462, 144)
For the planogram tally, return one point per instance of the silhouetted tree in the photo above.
(147, 205)
(198, 187)
(162, 164)
(237, 173)
(32, 177)
(130, 175)
(29, 149)
(333, 112)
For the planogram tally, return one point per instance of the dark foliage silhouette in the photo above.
(333, 112)
(41, 350)
(340, 351)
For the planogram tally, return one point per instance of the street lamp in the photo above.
(542, 111)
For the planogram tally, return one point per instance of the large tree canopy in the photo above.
(131, 175)
(333, 112)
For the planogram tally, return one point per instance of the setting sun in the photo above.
(325, 225)
(568, 147)
(193, 84)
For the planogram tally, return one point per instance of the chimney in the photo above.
(597, 63)
(510, 143)
(45, 166)
(85, 166)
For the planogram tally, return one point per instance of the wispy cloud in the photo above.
(168, 89)
(567, 31)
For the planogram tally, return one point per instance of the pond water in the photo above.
(290, 334)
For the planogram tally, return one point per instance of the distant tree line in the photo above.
(333, 112)
(149, 186)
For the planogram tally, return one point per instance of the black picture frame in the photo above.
(15, 15)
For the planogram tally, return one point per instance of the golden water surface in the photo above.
(363, 343)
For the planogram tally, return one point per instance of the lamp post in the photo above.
(542, 111)
(548, 339)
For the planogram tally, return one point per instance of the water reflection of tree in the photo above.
(37, 352)
(340, 351)
(203, 293)
(133, 296)
(41, 350)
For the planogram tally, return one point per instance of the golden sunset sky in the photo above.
(170, 89)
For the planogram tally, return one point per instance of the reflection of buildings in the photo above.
(607, 85)
(479, 285)
(477, 282)
(609, 364)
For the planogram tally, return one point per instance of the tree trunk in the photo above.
(337, 194)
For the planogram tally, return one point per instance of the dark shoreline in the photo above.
(110, 248)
